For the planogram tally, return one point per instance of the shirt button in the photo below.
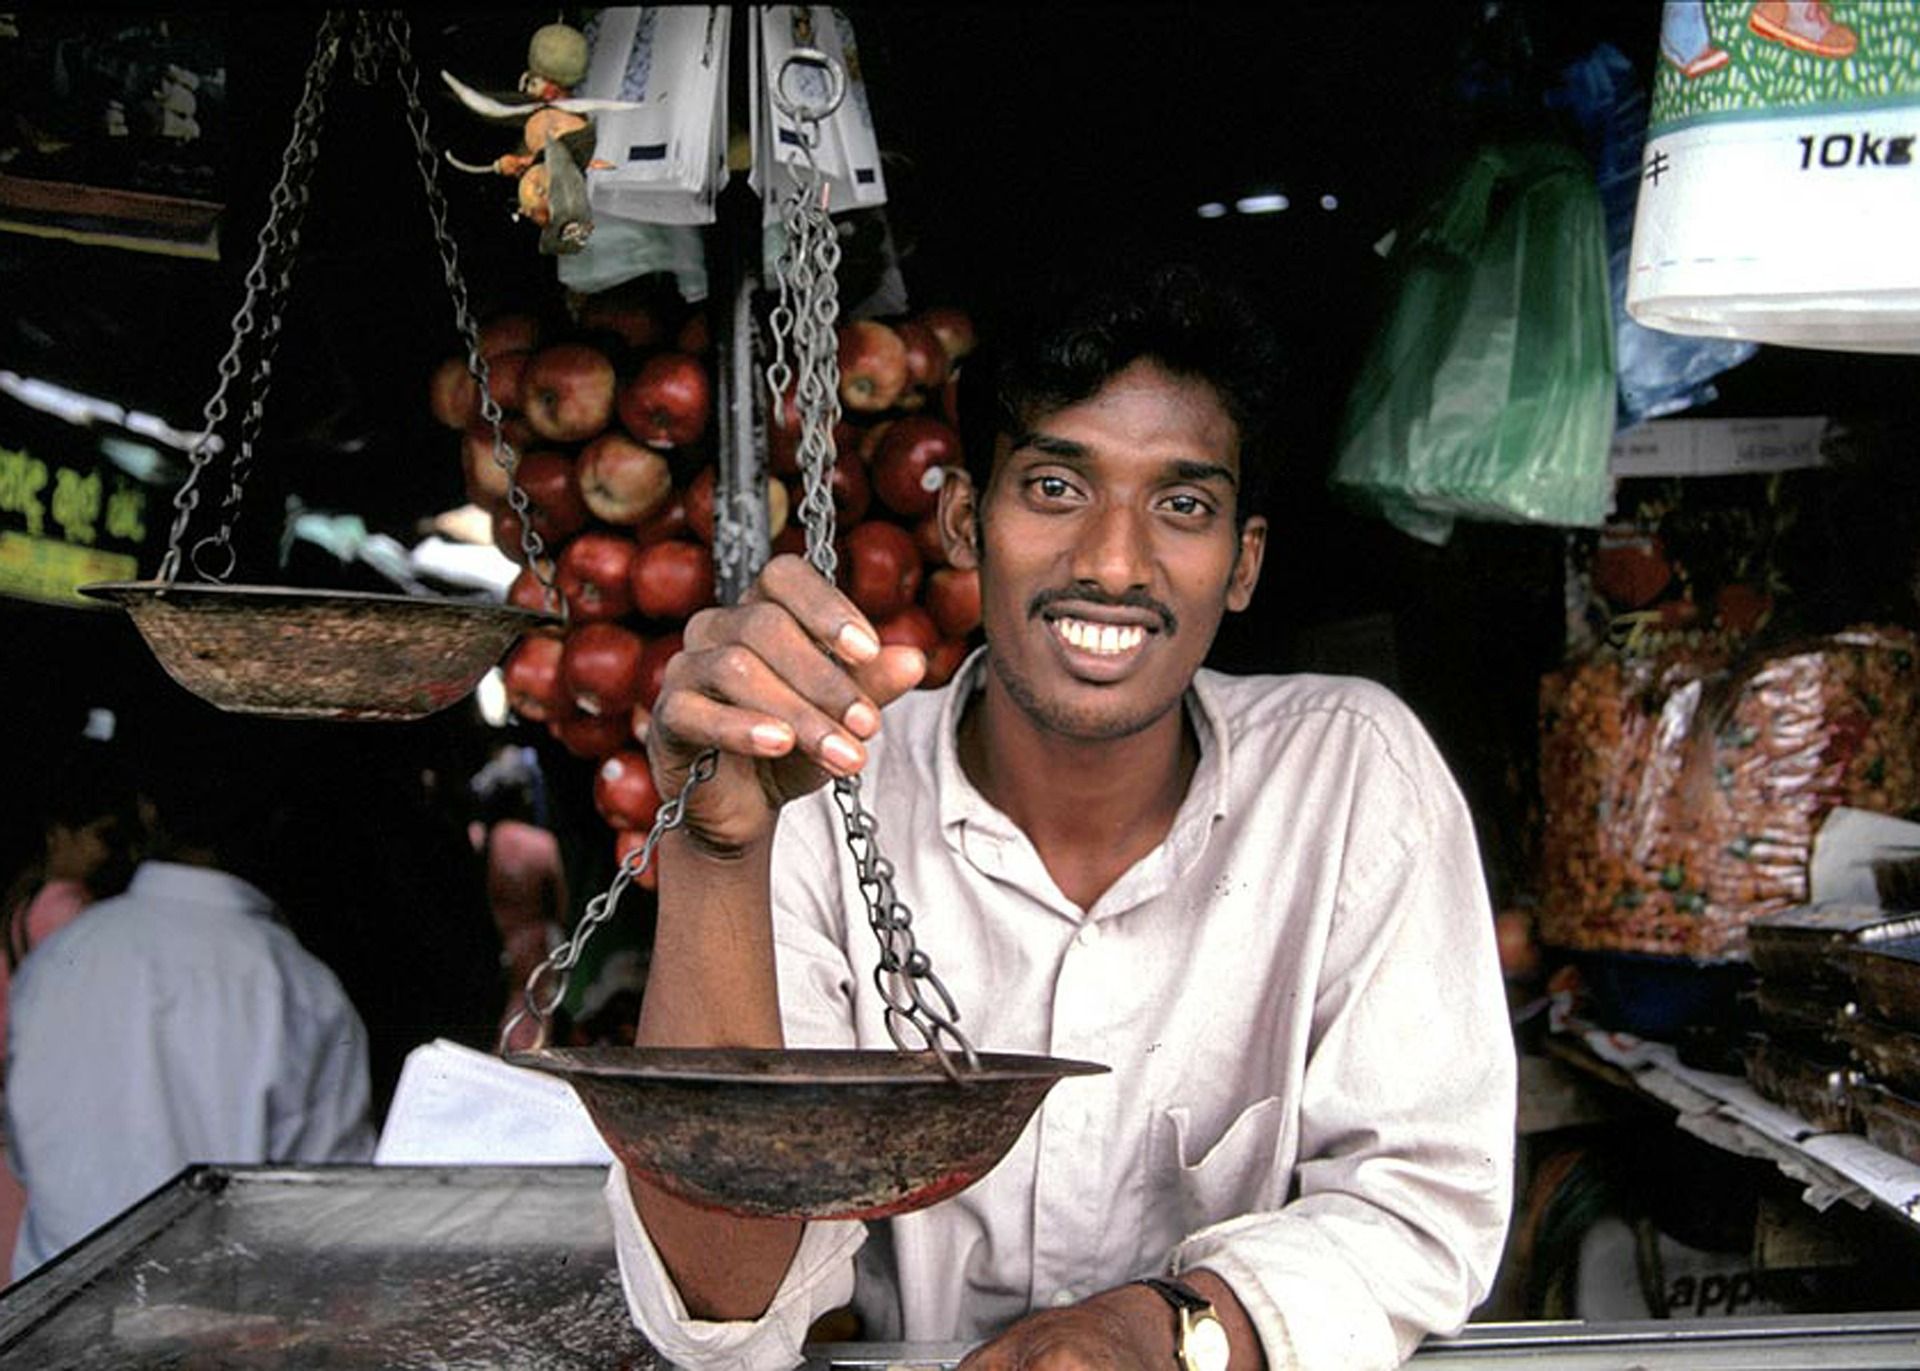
(1063, 1298)
(1089, 935)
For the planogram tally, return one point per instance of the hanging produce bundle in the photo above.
(612, 417)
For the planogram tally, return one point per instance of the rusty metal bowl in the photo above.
(319, 654)
(804, 1134)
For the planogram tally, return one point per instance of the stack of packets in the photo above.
(1684, 787)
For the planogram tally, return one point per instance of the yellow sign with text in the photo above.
(42, 569)
(65, 523)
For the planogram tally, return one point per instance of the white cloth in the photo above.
(178, 1022)
(458, 1107)
(1312, 1091)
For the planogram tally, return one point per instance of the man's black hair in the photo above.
(1075, 339)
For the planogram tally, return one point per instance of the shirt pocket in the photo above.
(1243, 1172)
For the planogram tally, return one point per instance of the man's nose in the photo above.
(1112, 550)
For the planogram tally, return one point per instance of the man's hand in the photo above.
(789, 685)
(1128, 1328)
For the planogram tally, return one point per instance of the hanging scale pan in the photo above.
(810, 1134)
(322, 654)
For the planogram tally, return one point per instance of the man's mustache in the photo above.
(1131, 599)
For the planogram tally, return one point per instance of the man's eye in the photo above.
(1186, 504)
(1052, 487)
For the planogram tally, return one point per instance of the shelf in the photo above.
(1727, 1112)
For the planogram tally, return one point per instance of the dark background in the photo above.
(1023, 142)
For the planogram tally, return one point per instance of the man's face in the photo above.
(1108, 551)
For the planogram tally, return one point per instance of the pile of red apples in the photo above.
(613, 422)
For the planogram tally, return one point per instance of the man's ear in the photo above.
(1246, 564)
(959, 519)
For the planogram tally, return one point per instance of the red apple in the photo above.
(568, 392)
(870, 439)
(452, 395)
(695, 335)
(623, 482)
(953, 328)
(852, 491)
(928, 538)
(588, 735)
(659, 651)
(624, 793)
(668, 401)
(873, 366)
(594, 576)
(792, 538)
(912, 463)
(601, 666)
(700, 505)
(535, 688)
(553, 493)
(509, 333)
(669, 521)
(486, 478)
(927, 361)
(953, 599)
(672, 580)
(526, 592)
(632, 323)
(507, 380)
(880, 568)
(942, 662)
(911, 627)
(783, 437)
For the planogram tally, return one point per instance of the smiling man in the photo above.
(1256, 898)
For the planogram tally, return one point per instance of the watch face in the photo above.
(1205, 1347)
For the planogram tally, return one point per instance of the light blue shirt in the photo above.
(179, 1022)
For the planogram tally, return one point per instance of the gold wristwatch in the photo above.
(1202, 1344)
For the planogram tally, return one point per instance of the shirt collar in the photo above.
(1206, 801)
(157, 880)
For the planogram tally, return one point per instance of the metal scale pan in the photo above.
(805, 1133)
(319, 654)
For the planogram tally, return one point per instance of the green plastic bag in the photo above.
(1490, 392)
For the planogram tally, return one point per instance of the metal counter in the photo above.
(512, 1267)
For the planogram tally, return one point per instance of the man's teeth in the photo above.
(1102, 638)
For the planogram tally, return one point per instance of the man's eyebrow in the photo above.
(1045, 442)
(1205, 471)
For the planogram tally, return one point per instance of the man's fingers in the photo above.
(828, 616)
(735, 701)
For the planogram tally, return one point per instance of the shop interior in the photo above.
(1285, 149)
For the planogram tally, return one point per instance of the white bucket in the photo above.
(1780, 186)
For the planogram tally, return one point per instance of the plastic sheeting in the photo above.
(393, 1267)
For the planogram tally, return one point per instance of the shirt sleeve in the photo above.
(1406, 1143)
(815, 1010)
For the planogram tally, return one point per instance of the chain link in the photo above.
(547, 983)
(920, 1012)
(532, 546)
(266, 285)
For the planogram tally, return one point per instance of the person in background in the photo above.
(94, 832)
(179, 1021)
(526, 880)
(1258, 899)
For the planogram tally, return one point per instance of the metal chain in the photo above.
(547, 983)
(806, 357)
(285, 208)
(532, 546)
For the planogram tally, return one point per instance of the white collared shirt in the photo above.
(178, 1022)
(1312, 1091)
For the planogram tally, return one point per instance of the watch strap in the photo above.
(1176, 1293)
